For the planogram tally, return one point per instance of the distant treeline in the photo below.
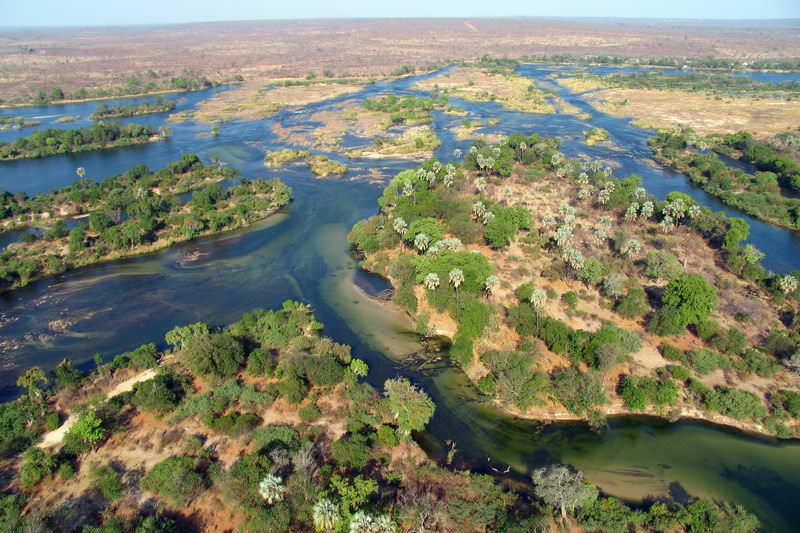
(675, 62)
(716, 83)
(153, 82)
(55, 141)
(131, 110)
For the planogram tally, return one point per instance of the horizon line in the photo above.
(790, 20)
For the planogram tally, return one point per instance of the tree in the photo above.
(271, 489)
(325, 515)
(85, 434)
(456, 277)
(690, 297)
(218, 355)
(32, 381)
(563, 488)
(180, 335)
(411, 407)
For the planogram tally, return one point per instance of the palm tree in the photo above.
(421, 242)
(326, 515)
(456, 278)
(457, 153)
(431, 281)
(271, 488)
(491, 284)
(81, 172)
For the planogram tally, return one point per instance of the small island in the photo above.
(99, 136)
(127, 215)
(569, 293)
(159, 105)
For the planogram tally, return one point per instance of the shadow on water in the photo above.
(302, 253)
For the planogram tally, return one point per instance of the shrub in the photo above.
(175, 480)
(309, 412)
(271, 437)
(386, 436)
(324, 371)
(233, 423)
(661, 265)
(106, 480)
(578, 391)
(36, 465)
(691, 298)
(217, 355)
(570, 298)
(351, 452)
(634, 304)
(260, 363)
(679, 372)
(85, 434)
(760, 363)
(161, 394)
(704, 361)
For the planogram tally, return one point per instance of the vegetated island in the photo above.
(607, 302)
(322, 166)
(266, 425)
(131, 214)
(770, 192)
(95, 137)
(159, 105)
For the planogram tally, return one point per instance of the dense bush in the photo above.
(161, 394)
(36, 465)
(233, 423)
(640, 392)
(580, 392)
(175, 479)
(217, 355)
(57, 141)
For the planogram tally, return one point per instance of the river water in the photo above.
(302, 253)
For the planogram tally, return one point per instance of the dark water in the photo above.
(301, 253)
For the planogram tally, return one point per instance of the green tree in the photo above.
(688, 299)
(563, 488)
(85, 434)
(411, 407)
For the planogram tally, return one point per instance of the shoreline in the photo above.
(154, 247)
(682, 413)
(151, 139)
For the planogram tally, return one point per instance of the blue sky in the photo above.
(97, 12)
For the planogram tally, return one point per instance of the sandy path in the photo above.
(54, 438)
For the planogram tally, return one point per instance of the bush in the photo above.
(639, 392)
(36, 465)
(386, 436)
(161, 394)
(106, 480)
(704, 361)
(634, 304)
(679, 372)
(175, 480)
(217, 355)
(260, 363)
(570, 299)
(578, 391)
(351, 452)
(690, 297)
(233, 423)
(85, 434)
(271, 437)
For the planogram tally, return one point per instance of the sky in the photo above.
(116, 12)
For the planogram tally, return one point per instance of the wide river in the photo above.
(302, 253)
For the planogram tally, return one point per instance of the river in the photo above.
(302, 253)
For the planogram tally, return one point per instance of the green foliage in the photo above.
(271, 437)
(233, 423)
(662, 265)
(59, 141)
(351, 451)
(502, 228)
(216, 355)
(639, 392)
(175, 480)
(472, 317)
(429, 226)
(85, 434)
(579, 392)
(634, 304)
(107, 481)
(36, 465)
(512, 380)
(410, 407)
(690, 297)
(16, 433)
(180, 335)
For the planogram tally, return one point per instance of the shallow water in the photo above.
(302, 253)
